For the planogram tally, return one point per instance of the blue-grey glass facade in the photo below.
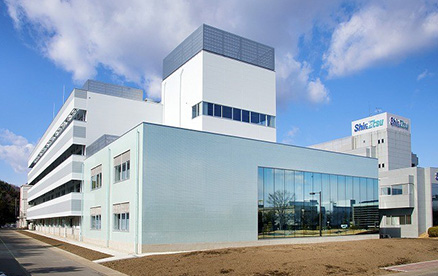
(289, 204)
(222, 43)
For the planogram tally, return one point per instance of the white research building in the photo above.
(202, 166)
(408, 194)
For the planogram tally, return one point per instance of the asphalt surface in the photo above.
(22, 255)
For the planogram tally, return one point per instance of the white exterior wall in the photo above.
(105, 115)
(22, 219)
(115, 115)
(418, 203)
(216, 79)
(394, 149)
(180, 91)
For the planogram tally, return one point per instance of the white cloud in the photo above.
(130, 38)
(15, 150)
(294, 82)
(425, 74)
(381, 32)
(290, 135)
(318, 93)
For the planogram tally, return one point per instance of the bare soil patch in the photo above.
(80, 251)
(364, 257)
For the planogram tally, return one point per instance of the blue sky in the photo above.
(336, 61)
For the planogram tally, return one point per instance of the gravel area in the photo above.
(80, 251)
(365, 257)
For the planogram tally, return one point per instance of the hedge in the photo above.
(433, 231)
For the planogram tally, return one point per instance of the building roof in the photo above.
(222, 43)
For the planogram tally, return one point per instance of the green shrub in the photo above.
(433, 231)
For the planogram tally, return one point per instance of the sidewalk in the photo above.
(421, 268)
(24, 255)
(106, 250)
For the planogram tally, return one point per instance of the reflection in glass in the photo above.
(288, 204)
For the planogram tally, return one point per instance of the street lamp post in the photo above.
(320, 212)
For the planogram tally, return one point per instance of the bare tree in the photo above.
(280, 200)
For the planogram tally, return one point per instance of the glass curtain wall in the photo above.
(289, 204)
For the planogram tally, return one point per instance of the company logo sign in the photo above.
(436, 176)
(399, 123)
(368, 125)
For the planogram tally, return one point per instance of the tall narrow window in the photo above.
(262, 120)
(121, 216)
(217, 110)
(96, 177)
(245, 116)
(255, 117)
(122, 166)
(237, 116)
(96, 218)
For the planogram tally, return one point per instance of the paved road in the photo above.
(22, 255)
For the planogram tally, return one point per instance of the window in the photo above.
(122, 167)
(217, 110)
(385, 190)
(121, 217)
(96, 222)
(398, 220)
(227, 112)
(397, 189)
(96, 177)
(196, 110)
(262, 120)
(379, 166)
(245, 116)
(271, 121)
(383, 140)
(96, 218)
(408, 219)
(378, 141)
(255, 117)
(237, 114)
(207, 109)
(383, 165)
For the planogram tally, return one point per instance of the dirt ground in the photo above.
(80, 251)
(364, 257)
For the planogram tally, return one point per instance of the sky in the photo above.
(336, 61)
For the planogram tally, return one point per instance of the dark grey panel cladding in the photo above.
(79, 131)
(113, 90)
(80, 93)
(222, 43)
(100, 143)
(183, 52)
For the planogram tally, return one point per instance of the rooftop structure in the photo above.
(222, 43)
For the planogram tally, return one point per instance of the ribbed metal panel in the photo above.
(113, 90)
(100, 143)
(222, 43)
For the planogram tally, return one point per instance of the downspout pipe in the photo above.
(108, 200)
(180, 95)
(137, 183)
